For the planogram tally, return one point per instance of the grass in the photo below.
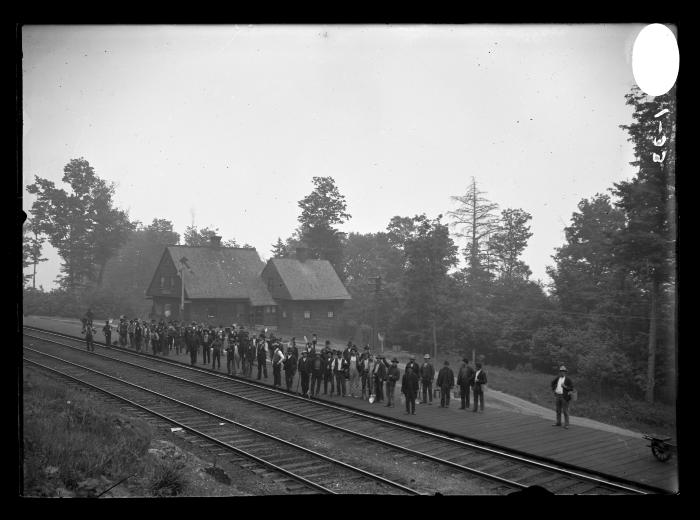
(71, 444)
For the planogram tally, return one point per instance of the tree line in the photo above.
(608, 314)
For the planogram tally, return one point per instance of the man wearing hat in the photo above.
(340, 370)
(378, 377)
(364, 366)
(427, 374)
(304, 371)
(465, 380)
(290, 366)
(354, 372)
(409, 387)
(445, 382)
(392, 375)
(327, 356)
(562, 386)
(479, 382)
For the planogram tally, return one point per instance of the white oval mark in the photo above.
(655, 59)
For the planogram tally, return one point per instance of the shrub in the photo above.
(167, 479)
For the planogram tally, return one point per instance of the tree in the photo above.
(647, 241)
(279, 249)
(475, 220)
(31, 249)
(202, 237)
(321, 210)
(82, 223)
(508, 243)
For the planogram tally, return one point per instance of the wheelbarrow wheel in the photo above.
(661, 451)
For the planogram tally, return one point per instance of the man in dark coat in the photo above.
(327, 356)
(479, 382)
(290, 367)
(445, 382)
(379, 374)
(340, 370)
(216, 346)
(465, 381)
(427, 374)
(409, 388)
(562, 386)
(392, 376)
(316, 372)
(107, 331)
(304, 373)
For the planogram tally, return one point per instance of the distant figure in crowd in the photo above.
(191, 343)
(327, 357)
(290, 367)
(138, 335)
(562, 386)
(316, 362)
(412, 364)
(427, 374)
(479, 382)
(262, 357)
(465, 382)
(445, 382)
(409, 388)
(277, 360)
(229, 348)
(206, 345)
(304, 368)
(392, 376)
(354, 372)
(379, 375)
(107, 331)
(122, 330)
(155, 338)
(130, 332)
(340, 368)
(365, 365)
(216, 345)
(89, 337)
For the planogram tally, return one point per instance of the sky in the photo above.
(226, 125)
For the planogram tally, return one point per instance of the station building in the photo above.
(226, 285)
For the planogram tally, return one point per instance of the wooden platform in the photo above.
(596, 450)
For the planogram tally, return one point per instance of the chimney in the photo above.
(302, 253)
(215, 241)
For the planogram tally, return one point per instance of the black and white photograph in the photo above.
(353, 259)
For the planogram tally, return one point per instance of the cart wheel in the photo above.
(661, 452)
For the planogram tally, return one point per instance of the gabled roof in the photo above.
(310, 280)
(222, 273)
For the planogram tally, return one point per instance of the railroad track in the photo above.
(504, 470)
(313, 471)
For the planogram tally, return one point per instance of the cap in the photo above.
(412, 357)
(562, 369)
(447, 362)
(466, 360)
(394, 360)
(427, 356)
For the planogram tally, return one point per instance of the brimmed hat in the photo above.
(562, 369)
(411, 357)
(447, 362)
(427, 356)
(466, 360)
(394, 360)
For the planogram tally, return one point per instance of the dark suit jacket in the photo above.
(568, 386)
(481, 380)
(409, 385)
(446, 378)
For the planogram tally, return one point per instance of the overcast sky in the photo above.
(228, 124)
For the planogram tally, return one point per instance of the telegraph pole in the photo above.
(377, 283)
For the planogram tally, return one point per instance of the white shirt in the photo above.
(560, 384)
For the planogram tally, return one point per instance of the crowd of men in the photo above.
(343, 373)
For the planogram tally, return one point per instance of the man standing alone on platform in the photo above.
(409, 387)
(562, 387)
(479, 382)
(445, 382)
(465, 380)
(427, 374)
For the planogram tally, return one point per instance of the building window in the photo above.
(162, 282)
(284, 314)
(307, 315)
(273, 309)
(331, 314)
(172, 282)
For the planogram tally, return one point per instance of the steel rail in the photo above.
(349, 410)
(182, 425)
(235, 423)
